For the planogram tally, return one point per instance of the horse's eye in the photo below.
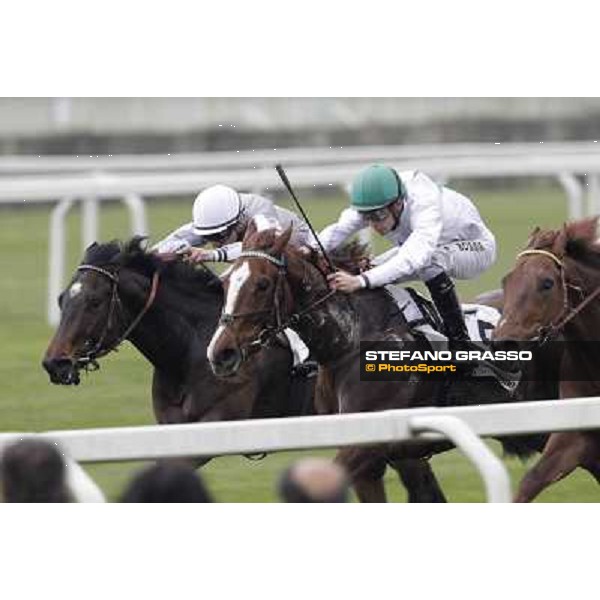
(262, 284)
(546, 284)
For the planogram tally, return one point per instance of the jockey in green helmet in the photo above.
(437, 234)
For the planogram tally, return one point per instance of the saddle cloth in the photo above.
(421, 315)
(480, 320)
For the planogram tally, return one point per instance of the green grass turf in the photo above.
(119, 394)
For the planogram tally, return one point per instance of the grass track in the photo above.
(119, 393)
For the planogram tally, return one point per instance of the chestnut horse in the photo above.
(552, 293)
(272, 286)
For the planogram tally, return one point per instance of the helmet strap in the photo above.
(400, 185)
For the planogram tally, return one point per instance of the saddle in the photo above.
(425, 323)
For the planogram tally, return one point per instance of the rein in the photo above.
(270, 332)
(550, 331)
(89, 360)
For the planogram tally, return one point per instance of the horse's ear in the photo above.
(532, 237)
(282, 240)
(250, 230)
(560, 243)
(88, 251)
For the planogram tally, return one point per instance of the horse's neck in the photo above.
(585, 325)
(176, 329)
(331, 328)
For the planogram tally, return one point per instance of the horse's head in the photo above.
(93, 318)
(536, 290)
(258, 299)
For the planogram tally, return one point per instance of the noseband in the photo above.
(89, 360)
(550, 331)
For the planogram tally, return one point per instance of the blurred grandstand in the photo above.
(155, 125)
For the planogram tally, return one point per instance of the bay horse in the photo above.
(168, 310)
(552, 293)
(273, 285)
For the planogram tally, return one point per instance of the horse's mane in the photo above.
(577, 240)
(132, 254)
(353, 257)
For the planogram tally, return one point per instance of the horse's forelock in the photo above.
(102, 254)
(260, 240)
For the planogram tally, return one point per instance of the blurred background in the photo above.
(75, 170)
(161, 125)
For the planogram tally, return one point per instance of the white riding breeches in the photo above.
(460, 260)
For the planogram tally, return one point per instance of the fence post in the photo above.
(56, 257)
(495, 477)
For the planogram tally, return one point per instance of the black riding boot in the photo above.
(443, 294)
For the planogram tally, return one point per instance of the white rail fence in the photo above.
(231, 160)
(64, 180)
(462, 425)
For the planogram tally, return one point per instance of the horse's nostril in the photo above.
(61, 370)
(229, 356)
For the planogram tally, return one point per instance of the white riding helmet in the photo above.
(215, 209)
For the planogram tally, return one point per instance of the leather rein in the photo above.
(89, 360)
(553, 329)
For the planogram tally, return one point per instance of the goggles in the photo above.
(218, 237)
(376, 216)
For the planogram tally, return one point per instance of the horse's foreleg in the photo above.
(419, 480)
(369, 490)
(563, 453)
(365, 469)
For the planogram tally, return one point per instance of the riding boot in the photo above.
(443, 294)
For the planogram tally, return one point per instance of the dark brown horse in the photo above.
(272, 285)
(552, 293)
(168, 310)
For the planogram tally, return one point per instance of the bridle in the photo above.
(89, 360)
(548, 332)
(277, 308)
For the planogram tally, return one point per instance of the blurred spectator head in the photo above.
(313, 480)
(166, 482)
(33, 470)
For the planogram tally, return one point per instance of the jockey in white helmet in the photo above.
(437, 235)
(220, 216)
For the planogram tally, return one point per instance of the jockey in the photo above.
(437, 234)
(220, 217)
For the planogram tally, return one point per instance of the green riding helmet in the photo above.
(376, 187)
